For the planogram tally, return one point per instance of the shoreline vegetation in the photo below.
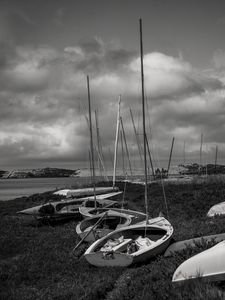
(38, 173)
(37, 262)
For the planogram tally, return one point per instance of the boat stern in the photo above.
(108, 259)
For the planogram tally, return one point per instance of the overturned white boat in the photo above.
(131, 244)
(84, 192)
(68, 208)
(209, 265)
(217, 210)
(106, 220)
(192, 243)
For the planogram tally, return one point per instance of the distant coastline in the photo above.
(38, 173)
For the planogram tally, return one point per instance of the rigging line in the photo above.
(136, 135)
(151, 132)
(163, 189)
(143, 120)
(153, 158)
(124, 192)
(99, 147)
(91, 138)
(95, 146)
(126, 147)
(122, 150)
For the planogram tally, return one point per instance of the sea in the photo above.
(14, 188)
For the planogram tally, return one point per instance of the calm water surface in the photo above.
(13, 188)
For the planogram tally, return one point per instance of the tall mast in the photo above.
(98, 142)
(150, 158)
(116, 142)
(91, 137)
(99, 150)
(125, 142)
(122, 151)
(143, 117)
(216, 157)
(200, 154)
(171, 151)
(136, 134)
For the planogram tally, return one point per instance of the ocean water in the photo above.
(14, 188)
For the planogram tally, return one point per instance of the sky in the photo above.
(49, 47)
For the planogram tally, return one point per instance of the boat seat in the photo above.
(122, 246)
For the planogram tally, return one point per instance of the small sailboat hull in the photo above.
(182, 245)
(84, 192)
(115, 259)
(105, 221)
(67, 208)
(114, 249)
(209, 265)
(91, 229)
(217, 210)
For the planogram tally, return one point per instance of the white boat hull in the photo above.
(84, 192)
(156, 241)
(182, 245)
(209, 265)
(67, 208)
(111, 219)
(217, 210)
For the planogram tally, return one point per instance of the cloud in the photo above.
(219, 58)
(168, 77)
(43, 99)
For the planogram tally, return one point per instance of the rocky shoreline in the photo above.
(38, 173)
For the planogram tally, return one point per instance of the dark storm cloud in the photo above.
(94, 57)
(44, 97)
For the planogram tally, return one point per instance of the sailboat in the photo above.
(101, 221)
(68, 208)
(135, 243)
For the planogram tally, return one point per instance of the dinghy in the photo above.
(217, 210)
(182, 245)
(209, 265)
(105, 220)
(68, 208)
(84, 192)
(131, 244)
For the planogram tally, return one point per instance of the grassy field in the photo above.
(37, 262)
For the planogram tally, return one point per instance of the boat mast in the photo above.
(150, 157)
(99, 150)
(143, 117)
(91, 138)
(184, 153)
(116, 142)
(136, 135)
(122, 151)
(126, 147)
(200, 154)
(171, 151)
(216, 158)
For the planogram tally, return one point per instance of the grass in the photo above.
(36, 261)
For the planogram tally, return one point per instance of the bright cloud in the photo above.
(44, 98)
